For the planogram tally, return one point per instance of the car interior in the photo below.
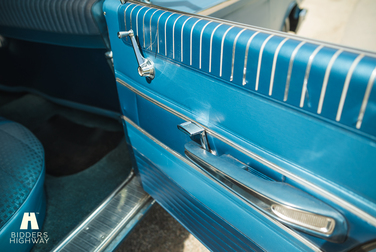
(60, 125)
(64, 147)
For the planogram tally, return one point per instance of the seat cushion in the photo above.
(21, 180)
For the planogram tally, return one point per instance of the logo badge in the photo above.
(29, 217)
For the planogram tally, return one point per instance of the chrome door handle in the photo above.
(278, 200)
(145, 66)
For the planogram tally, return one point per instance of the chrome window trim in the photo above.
(192, 165)
(326, 194)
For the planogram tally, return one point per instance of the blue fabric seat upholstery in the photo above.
(78, 23)
(21, 184)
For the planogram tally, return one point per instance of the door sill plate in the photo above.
(106, 227)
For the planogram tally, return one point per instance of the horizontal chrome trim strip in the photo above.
(185, 160)
(337, 200)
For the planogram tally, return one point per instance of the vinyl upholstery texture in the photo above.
(66, 16)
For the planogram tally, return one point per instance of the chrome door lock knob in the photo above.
(145, 66)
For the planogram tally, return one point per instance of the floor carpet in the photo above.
(71, 147)
(100, 171)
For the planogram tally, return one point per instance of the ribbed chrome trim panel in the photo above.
(260, 29)
(99, 229)
(267, 35)
(326, 194)
(185, 160)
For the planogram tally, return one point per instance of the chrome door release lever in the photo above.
(145, 66)
(191, 129)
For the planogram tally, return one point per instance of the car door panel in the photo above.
(259, 95)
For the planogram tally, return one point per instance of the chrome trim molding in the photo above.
(190, 51)
(143, 25)
(202, 32)
(233, 53)
(158, 30)
(222, 44)
(211, 47)
(130, 18)
(306, 76)
(138, 12)
(165, 32)
(260, 61)
(246, 57)
(326, 194)
(276, 53)
(150, 39)
(182, 38)
(186, 161)
(346, 86)
(173, 37)
(326, 79)
(254, 28)
(125, 17)
(291, 64)
(365, 99)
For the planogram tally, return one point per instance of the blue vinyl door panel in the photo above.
(293, 110)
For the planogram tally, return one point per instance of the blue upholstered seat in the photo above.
(21, 184)
(78, 23)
